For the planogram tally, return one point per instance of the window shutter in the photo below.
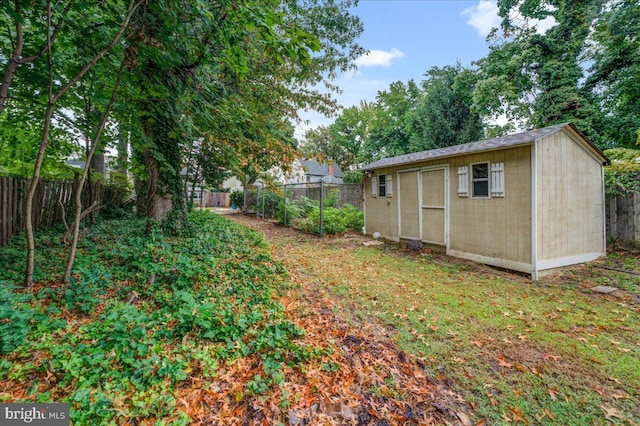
(374, 186)
(463, 181)
(497, 179)
(389, 186)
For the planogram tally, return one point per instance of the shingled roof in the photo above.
(524, 138)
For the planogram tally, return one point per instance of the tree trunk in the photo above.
(28, 203)
(87, 166)
(12, 63)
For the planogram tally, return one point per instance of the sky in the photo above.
(405, 38)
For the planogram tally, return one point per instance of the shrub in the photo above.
(352, 217)
(237, 198)
(623, 175)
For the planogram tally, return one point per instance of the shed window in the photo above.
(382, 186)
(480, 180)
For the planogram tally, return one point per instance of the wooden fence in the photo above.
(623, 218)
(52, 201)
(216, 199)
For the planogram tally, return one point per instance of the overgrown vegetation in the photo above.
(622, 177)
(304, 214)
(140, 316)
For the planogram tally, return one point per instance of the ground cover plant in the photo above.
(548, 352)
(199, 328)
(141, 317)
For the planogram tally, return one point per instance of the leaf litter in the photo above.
(370, 381)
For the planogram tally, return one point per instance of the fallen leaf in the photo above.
(518, 415)
(545, 413)
(552, 393)
(477, 343)
(503, 362)
(553, 357)
(610, 412)
(619, 395)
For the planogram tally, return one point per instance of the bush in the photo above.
(237, 198)
(353, 218)
(623, 175)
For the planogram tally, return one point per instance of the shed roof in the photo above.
(524, 138)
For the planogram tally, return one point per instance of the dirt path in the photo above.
(364, 378)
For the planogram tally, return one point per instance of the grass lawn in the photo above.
(546, 352)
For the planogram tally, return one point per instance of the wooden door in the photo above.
(408, 205)
(434, 206)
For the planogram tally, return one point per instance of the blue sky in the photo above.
(406, 38)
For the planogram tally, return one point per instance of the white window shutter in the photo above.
(463, 181)
(497, 179)
(374, 186)
(389, 186)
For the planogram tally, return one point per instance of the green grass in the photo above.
(551, 352)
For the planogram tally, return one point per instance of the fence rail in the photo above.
(52, 202)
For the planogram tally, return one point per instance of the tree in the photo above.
(344, 141)
(390, 132)
(234, 76)
(538, 78)
(54, 92)
(615, 73)
(443, 116)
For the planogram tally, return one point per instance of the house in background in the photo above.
(529, 202)
(311, 171)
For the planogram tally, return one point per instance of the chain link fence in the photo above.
(318, 208)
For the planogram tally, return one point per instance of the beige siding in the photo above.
(569, 199)
(381, 212)
(493, 228)
(498, 227)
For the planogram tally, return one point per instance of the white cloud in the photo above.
(483, 16)
(545, 24)
(379, 58)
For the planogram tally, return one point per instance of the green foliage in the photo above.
(237, 198)
(268, 202)
(210, 292)
(622, 177)
(443, 115)
(304, 214)
(17, 317)
(352, 176)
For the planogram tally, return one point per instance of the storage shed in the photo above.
(530, 202)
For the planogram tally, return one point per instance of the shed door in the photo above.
(408, 205)
(434, 206)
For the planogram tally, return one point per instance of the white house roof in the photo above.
(524, 138)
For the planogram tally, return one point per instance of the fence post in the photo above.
(284, 206)
(321, 206)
